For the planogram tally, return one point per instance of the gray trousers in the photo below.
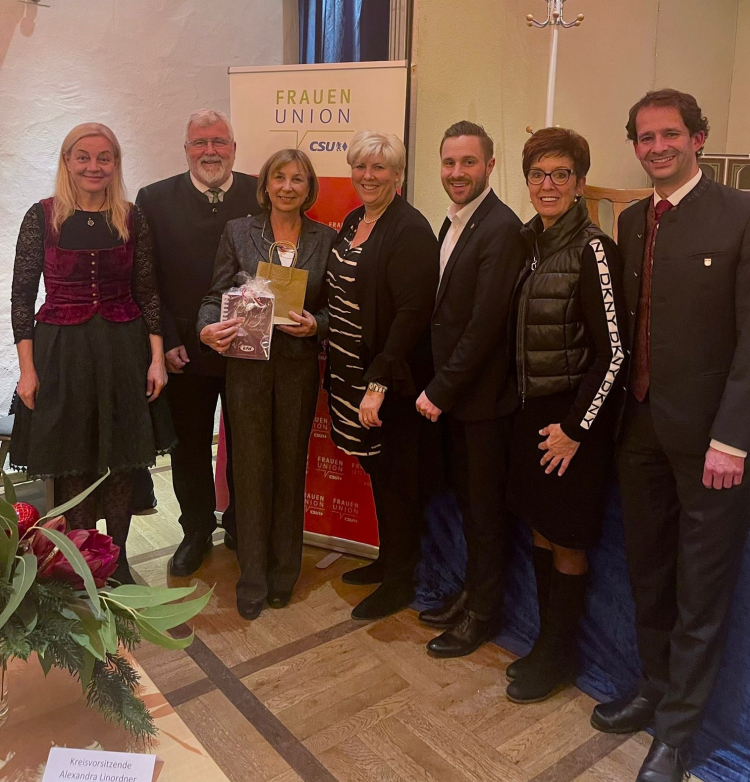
(271, 409)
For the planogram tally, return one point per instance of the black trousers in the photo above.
(192, 401)
(684, 546)
(272, 407)
(395, 477)
(477, 453)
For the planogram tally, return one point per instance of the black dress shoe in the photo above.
(280, 600)
(249, 609)
(387, 599)
(369, 574)
(662, 764)
(625, 715)
(538, 682)
(448, 614)
(230, 541)
(465, 637)
(189, 555)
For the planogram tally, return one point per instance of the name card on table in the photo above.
(86, 765)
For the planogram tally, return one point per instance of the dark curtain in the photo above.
(607, 647)
(343, 30)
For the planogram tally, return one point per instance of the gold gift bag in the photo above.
(288, 284)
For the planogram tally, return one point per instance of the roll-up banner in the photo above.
(318, 109)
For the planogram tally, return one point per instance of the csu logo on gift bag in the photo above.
(328, 146)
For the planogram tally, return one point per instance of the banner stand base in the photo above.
(342, 545)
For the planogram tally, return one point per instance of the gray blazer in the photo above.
(243, 245)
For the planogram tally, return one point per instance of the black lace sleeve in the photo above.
(27, 270)
(145, 290)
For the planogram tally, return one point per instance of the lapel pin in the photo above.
(472, 226)
(706, 261)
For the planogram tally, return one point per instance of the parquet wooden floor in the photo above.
(306, 693)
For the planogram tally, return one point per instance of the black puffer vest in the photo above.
(553, 346)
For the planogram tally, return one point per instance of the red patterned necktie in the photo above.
(642, 352)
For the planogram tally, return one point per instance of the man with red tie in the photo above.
(685, 430)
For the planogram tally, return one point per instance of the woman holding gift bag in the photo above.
(272, 402)
(92, 366)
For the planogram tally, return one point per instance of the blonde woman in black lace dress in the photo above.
(92, 365)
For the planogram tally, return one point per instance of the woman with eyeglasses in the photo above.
(569, 359)
(272, 403)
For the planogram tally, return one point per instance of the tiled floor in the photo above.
(306, 693)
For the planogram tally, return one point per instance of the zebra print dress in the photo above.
(348, 385)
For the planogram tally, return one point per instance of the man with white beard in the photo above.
(187, 214)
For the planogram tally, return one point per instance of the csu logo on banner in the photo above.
(346, 510)
(331, 468)
(328, 146)
(320, 426)
(314, 503)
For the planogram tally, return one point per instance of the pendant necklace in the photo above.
(90, 221)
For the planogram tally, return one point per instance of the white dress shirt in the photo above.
(459, 217)
(675, 199)
(224, 186)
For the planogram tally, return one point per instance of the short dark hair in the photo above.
(557, 142)
(279, 160)
(466, 128)
(685, 103)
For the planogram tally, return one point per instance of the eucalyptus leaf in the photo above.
(165, 617)
(91, 637)
(7, 511)
(10, 489)
(8, 553)
(60, 510)
(22, 581)
(150, 633)
(77, 562)
(45, 662)
(87, 670)
(135, 596)
(109, 632)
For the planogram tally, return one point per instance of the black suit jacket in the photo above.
(245, 242)
(700, 315)
(187, 229)
(474, 378)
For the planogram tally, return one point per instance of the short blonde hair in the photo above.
(116, 205)
(368, 144)
(279, 160)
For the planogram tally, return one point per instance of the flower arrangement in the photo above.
(56, 601)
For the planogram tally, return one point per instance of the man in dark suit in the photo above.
(686, 429)
(187, 214)
(474, 388)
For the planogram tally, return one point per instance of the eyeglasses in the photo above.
(216, 143)
(559, 176)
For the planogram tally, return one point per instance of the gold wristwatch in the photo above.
(377, 388)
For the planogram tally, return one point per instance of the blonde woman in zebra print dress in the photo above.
(382, 279)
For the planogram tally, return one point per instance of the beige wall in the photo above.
(478, 60)
(738, 137)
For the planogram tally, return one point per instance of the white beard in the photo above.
(214, 174)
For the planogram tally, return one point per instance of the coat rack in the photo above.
(554, 20)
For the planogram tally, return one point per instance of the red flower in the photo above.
(98, 550)
(27, 514)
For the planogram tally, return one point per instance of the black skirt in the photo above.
(91, 411)
(566, 510)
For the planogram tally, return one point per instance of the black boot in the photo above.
(552, 661)
(542, 560)
(369, 574)
(387, 599)
(447, 614)
(122, 573)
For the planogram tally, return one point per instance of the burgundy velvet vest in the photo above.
(84, 283)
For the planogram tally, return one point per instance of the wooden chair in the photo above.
(620, 200)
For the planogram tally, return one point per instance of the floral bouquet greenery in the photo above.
(56, 601)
